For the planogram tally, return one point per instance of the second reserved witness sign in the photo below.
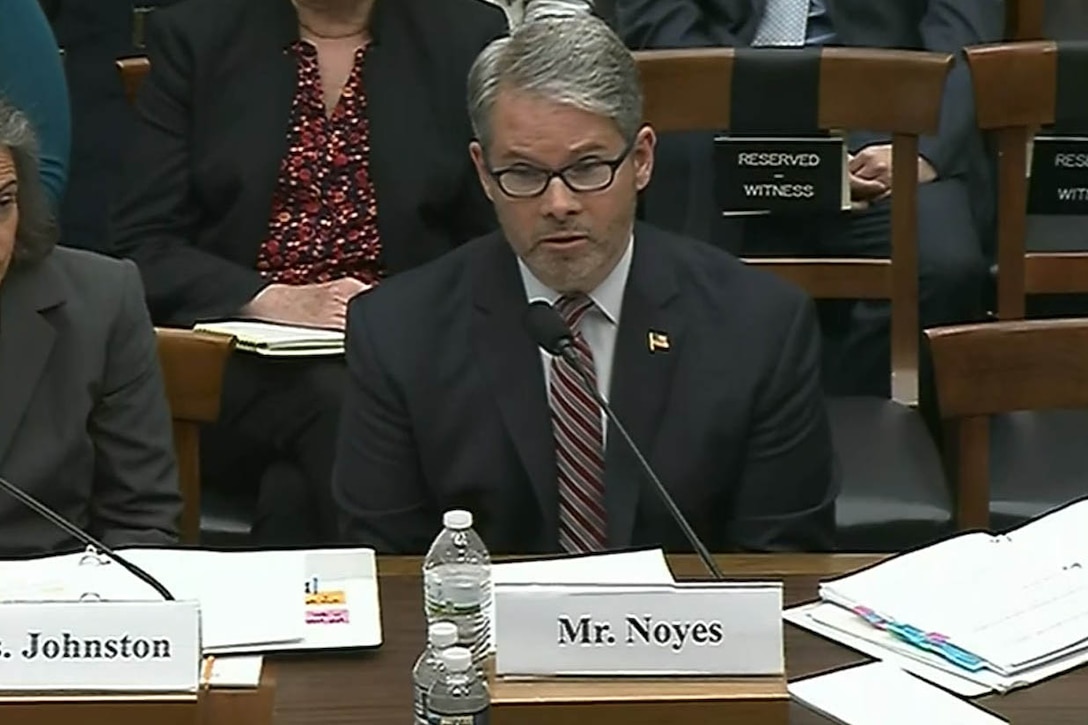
(781, 175)
(1059, 175)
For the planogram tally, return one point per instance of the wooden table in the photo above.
(376, 687)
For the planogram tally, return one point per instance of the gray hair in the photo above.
(36, 233)
(574, 60)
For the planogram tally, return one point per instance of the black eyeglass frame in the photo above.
(613, 165)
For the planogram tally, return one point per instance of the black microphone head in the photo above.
(547, 327)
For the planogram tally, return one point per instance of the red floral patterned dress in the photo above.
(324, 222)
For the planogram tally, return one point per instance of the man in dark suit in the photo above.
(84, 422)
(954, 200)
(291, 154)
(712, 365)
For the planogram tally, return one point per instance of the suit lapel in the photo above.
(641, 377)
(26, 340)
(268, 87)
(515, 373)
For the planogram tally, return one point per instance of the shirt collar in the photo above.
(608, 296)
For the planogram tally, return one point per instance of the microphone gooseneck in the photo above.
(550, 332)
(68, 527)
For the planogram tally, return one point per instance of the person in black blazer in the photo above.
(955, 198)
(713, 366)
(84, 422)
(293, 153)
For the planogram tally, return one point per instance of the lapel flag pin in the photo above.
(658, 341)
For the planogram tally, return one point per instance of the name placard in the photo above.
(1059, 175)
(678, 629)
(97, 647)
(781, 175)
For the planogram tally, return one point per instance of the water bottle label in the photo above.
(480, 718)
(420, 706)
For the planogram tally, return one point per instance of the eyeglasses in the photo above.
(524, 181)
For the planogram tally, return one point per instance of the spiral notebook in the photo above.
(1005, 603)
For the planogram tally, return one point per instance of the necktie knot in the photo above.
(573, 307)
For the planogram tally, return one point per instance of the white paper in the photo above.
(341, 604)
(837, 624)
(857, 635)
(627, 567)
(882, 694)
(240, 671)
(246, 597)
(1016, 601)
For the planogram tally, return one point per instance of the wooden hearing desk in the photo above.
(375, 688)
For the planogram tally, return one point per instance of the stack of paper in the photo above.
(998, 611)
(250, 601)
(269, 339)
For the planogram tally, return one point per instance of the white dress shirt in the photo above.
(598, 326)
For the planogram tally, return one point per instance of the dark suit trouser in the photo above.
(280, 412)
(952, 273)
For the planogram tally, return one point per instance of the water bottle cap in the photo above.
(442, 634)
(457, 520)
(457, 659)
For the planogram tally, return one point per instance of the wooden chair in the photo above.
(133, 71)
(1024, 19)
(992, 369)
(192, 366)
(892, 478)
(1016, 91)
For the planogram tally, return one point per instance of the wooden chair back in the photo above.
(192, 365)
(992, 368)
(133, 71)
(1016, 91)
(1024, 19)
(889, 91)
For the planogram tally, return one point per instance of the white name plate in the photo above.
(670, 629)
(83, 647)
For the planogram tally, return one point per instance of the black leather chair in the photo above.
(894, 492)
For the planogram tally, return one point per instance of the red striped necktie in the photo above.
(579, 440)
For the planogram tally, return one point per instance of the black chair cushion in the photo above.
(226, 517)
(894, 494)
(1038, 461)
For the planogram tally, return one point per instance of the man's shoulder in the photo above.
(439, 285)
(717, 274)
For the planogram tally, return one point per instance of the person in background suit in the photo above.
(713, 366)
(84, 422)
(293, 154)
(955, 190)
(32, 78)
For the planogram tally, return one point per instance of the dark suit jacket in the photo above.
(84, 423)
(195, 203)
(447, 407)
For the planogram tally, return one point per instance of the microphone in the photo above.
(68, 527)
(551, 333)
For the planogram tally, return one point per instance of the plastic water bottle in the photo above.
(440, 637)
(457, 583)
(459, 696)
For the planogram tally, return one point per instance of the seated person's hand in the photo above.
(871, 173)
(312, 305)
